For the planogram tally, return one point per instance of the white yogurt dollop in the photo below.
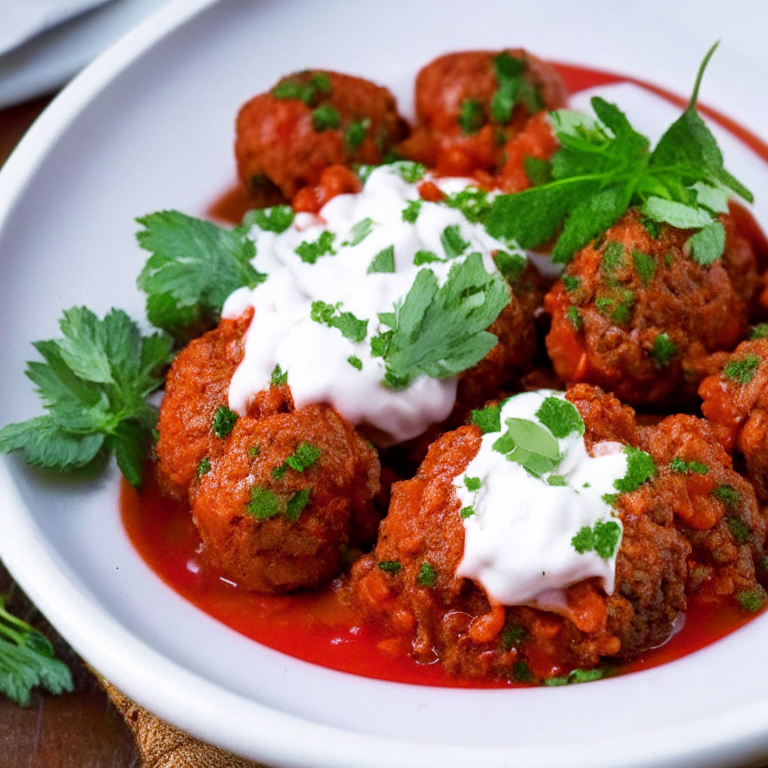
(324, 366)
(519, 527)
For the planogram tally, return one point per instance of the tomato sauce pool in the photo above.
(319, 627)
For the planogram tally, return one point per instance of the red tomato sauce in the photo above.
(319, 627)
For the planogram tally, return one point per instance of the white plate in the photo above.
(54, 56)
(149, 126)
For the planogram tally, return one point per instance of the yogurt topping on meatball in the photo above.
(331, 281)
(536, 504)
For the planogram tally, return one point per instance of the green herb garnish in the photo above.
(383, 261)
(560, 417)
(223, 421)
(602, 538)
(351, 327)
(310, 252)
(742, 371)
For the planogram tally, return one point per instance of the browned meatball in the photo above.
(311, 120)
(466, 112)
(196, 390)
(736, 402)
(681, 533)
(277, 508)
(636, 315)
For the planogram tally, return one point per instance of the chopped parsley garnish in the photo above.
(467, 512)
(488, 419)
(738, 528)
(512, 636)
(472, 202)
(355, 362)
(640, 468)
(390, 566)
(742, 371)
(279, 377)
(455, 245)
(440, 331)
(204, 467)
(604, 167)
(279, 472)
(571, 283)
(686, 467)
(512, 88)
(27, 661)
(645, 266)
(664, 351)
(759, 331)
(560, 417)
(751, 600)
(574, 315)
(521, 672)
(613, 256)
(297, 87)
(471, 116)
(351, 327)
(223, 421)
(383, 261)
(728, 496)
(93, 384)
(355, 135)
(530, 445)
(325, 117)
(194, 266)
(427, 576)
(472, 483)
(411, 211)
(255, 450)
(577, 676)
(602, 538)
(310, 252)
(409, 171)
(425, 257)
(276, 219)
(653, 228)
(359, 232)
(556, 480)
(303, 457)
(266, 504)
(296, 504)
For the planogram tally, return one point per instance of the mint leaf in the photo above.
(383, 261)
(360, 231)
(708, 244)
(529, 445)
(195, 265)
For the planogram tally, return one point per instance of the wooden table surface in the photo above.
(76, 730)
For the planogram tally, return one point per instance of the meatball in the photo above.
(636, 315)
(277, 508)
(678, 537)
(196, 390)
(470, 104)
(736, 402)
(311, 120)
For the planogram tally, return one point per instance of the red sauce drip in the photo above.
(318, 627)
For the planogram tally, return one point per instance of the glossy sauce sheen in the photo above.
(318, 627)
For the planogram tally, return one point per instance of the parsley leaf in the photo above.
(195, 265)
(276, 219)
(560, 417)
(512, 87)
(303, 457)
(604, 167)
(664, 350)
(355, 362)
(472, 202)
(411, 211)
(298, 87)
(223, 421)
(684, 467)
(742, 371)
(640, 468)
(409, 171)
(602, 538)
(471, 116)
(759, 331)
(325, 117)
(279, 377)
(359, 232)
(27, 661)
(427, 576)
(355, 135)
(453, 243)
(472, 484)
(310, 252)
(488, 418)
(296, 504)
(390, 566)
(94, 384)
(264, 503)
(351, 327)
